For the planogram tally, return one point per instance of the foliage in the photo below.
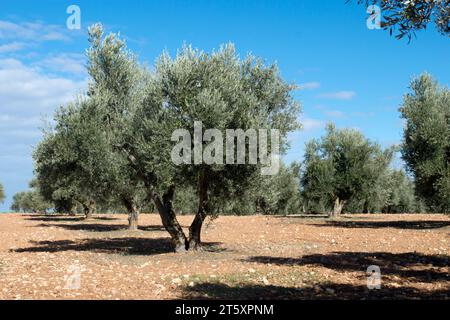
(344, 166)
(30, 201)
(2, 193)
(426, 141)
(70, 162)
(401, 194)
(280, 194)
(409, 16)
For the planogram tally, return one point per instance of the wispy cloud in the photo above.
(339, 95)
(34, 31)
(334, 113)
(309, 85)
(310, 124)
(12, 47)
(26, 90)
(67, 63)
(8, 121)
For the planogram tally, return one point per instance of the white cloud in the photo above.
(69, 63)
(309, 85)
(334, 113)
(9, 121)
(27, 90)
(363, 114)
(310, 124)
(11, 47)
(36, 31)
(340, 95)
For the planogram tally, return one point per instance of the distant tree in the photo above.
(51, 172)
(280, 193)
(62, 162)
(30, 201)
(2, 193)
(426, 140)
(16, 205)
(407, 17)
(401, 194)
(77, 162)
(340, 168)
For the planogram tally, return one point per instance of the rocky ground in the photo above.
(257, 257)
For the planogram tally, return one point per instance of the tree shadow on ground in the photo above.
(56, 219)
(97, 227)
(412, 225)
(61, 218)
(303, 216)
(396, 264)
(125, 246)
(128, 246)
(93, 227)
(325, 291)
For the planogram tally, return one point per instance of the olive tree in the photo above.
(222, 92)
(401, 194)
(219, 90)
(280, 194)
(426, 141)
(30, 201)
(69, 162)
(116, 88)
(78, 159)
(343, 167)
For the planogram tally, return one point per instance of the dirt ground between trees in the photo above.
(252, 257)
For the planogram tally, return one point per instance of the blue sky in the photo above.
(350, 75)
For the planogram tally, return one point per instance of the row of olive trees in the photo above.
(115, 142)
(112, 147)
(345, 171)
(31, 201)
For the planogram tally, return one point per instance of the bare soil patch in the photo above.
(253, 257)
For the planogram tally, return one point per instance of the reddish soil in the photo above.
(257, 257)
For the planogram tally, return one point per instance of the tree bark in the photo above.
(338, 206)
(203, 207)
(164, 205)
(89, 209)
(170, 222)
(133, 213)
(72, 211)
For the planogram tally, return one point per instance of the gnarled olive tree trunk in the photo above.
(164, 205)
(133, 213)
(338, 206)
(203, 207)
(168, 217)
(89, 209)
(170, 222)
